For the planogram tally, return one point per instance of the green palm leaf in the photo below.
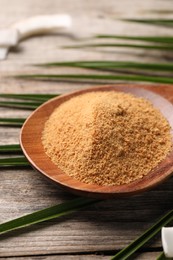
(162, 22)
(46, 214)
(14, 161)
(162, 257)
(11, 121)
(33, 97)
(10, 148)
(22, 105)
(155, 39)
(165, 47)
(96, 77)
(112, 65)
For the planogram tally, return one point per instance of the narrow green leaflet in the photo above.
(160, 22)
(10, 148)
(156, 39)
(11, 121)
(112, 65)
(160, 11)
(145, 237)
(98, 77)
(14, 161)
(164, 47)
(162, 257)
(33, 97)
(46, 214)
(22, 105)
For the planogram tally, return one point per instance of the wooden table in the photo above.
(98, 231)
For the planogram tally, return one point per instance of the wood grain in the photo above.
(144, 256)
(105, 226)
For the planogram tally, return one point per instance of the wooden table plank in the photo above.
(144, 256)
(120, 221)
(105, 226)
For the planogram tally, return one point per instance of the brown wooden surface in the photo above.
(105, 227)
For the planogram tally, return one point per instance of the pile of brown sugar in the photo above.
(107, 138)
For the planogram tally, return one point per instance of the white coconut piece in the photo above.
(9, 37)
(167, 241)
(3, 53)
(42, 24)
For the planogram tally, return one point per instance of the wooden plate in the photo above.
(30, 140)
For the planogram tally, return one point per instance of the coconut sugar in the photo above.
(106, 137)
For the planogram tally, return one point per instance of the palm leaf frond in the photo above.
(47, 214)
(162, 257)
(160, 22)
(10, 148)
(112, 65)
(164, 47)
(14, 161)
(11, 121)
(33, 97)
(22, 105)
(94, 77)
(155, 39)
